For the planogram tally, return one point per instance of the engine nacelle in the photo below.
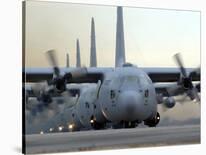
(169, 102)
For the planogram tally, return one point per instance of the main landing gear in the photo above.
(153, 121)
(96, 125)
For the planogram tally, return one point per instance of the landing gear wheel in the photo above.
(96, 125)
(154, 121)
(130, 124)
(124, 124)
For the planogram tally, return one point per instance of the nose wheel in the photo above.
(153, 121)
(125, 124)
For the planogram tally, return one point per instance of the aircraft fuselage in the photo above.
(126, 94)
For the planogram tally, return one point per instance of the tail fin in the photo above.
(93, 57)
(120, 49)
(67, 60)
(78, 61)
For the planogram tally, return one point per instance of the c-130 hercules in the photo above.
(123, 96)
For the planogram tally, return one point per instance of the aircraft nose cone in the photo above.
(129, 105)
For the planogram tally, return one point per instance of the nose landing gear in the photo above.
(153, 121)
(125, 124)
(130, 124)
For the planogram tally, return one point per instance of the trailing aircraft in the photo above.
(43, 97)
(123, 96)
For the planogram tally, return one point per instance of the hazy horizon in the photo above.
(152, 36)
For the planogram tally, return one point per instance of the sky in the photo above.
(152, 36)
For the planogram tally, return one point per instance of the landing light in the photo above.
(41, 132)
(158, 117)
(51, 129)
(61, 128)
(195, 100)
(91, 121)
(70, 126)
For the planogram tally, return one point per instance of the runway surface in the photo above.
(112, 139)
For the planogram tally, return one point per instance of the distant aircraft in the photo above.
(67, 61)
(35, 106)
(123, 96)
(78, 63)
(93, 56)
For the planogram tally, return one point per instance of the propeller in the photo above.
(59, 81)
(44, 91)
(35, 106)
(51, 55)
(184, 84)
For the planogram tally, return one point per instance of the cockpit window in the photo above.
(112, 94)
(131, 79)
(127, 65)
(146, 93)
(87, 105)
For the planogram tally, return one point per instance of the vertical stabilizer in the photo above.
(93, 57)
(78, 61)
(120, 49)
(67, 60)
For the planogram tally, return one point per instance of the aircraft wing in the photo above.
(42, 74)
(169, 74)
(162, 88)
(94, 74)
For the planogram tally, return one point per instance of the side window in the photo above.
(112, 94)
(86, 104)
(146, 93)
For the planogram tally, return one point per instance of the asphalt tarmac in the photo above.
(112, 139)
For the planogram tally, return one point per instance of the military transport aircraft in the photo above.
(123, 96)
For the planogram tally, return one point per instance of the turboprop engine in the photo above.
(169, 102)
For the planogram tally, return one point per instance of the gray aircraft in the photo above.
(93, 56)
(123, 96)
(68, 112)
(67, 60)
(78, 63)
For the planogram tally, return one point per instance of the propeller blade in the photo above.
(194, 93)
(179, 62)
(51, 56)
